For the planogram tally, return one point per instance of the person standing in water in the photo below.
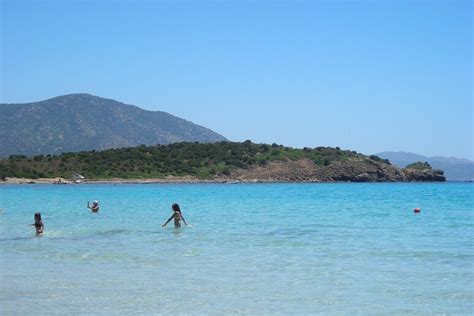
(177, 216)
(94, 207)
(38, 224)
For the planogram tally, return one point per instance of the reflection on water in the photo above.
(177, 231)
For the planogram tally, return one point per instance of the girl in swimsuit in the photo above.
(177, 216)
(38, 224)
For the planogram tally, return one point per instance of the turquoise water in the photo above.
(251, 249)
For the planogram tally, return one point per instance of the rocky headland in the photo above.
(217, 162)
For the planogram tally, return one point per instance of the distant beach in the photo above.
(61, 181)
(168, 179)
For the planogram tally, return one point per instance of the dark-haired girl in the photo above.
(177, 216)
(38, 224)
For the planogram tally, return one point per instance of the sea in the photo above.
(248, 249)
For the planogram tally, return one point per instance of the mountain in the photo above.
(78, 122)
(221, 161)
(454, 168)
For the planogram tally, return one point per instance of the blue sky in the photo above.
(363, 75)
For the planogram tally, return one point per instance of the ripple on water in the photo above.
(252, 249)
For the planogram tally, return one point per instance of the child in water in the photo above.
(177, 215)
(94, 207)
(38, 223)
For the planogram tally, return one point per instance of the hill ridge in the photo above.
(82, 121)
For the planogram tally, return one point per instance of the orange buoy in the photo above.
(417, 210)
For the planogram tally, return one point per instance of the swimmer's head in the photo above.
(95, 202)
(175, 207)
(38, 216)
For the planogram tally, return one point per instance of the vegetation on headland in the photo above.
(203, 161)
(419, 166)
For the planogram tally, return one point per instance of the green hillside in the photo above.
(79, 122)
(179, 159)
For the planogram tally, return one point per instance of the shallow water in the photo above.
(250, 249)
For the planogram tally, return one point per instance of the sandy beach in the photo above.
(168, 179)
(59, 181)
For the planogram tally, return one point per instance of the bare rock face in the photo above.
(424, 175)
(422, 172)
(360, 170)
(351, 170)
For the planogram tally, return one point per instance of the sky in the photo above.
(369, 76)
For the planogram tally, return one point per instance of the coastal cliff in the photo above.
(220, 162)
(352, 170)
(422, 171)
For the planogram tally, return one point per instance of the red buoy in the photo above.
(417, 210)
